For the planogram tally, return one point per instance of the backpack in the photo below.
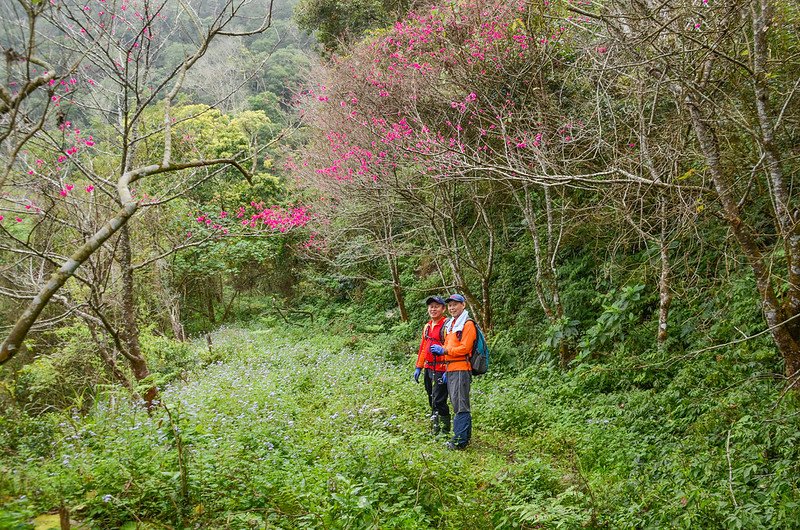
(479, 358)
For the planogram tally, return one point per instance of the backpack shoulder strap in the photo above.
(474, 324)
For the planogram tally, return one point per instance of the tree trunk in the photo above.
(129, 325)
(171, 301)
(792, 364)
(447, 242)
(545, 282)
(397, 287)
(105, 355)
(175, 320)
(63, 517)
(664, 294)
(774, 314)
(779, 188)
(210, 293)
(565, 354)
(486, 306)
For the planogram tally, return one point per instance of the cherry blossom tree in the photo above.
(87, 94)
(472, 111)
(472, 102)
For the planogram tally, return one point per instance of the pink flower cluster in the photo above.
(257, 216)
(470, 49)
(17, 219)
(278, 219)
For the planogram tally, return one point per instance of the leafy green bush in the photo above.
(16, 517)
(166, 357)
(65, 378)
(614, 322)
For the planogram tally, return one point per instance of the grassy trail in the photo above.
(285, 429)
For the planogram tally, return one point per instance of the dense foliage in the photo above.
(316, 428)
(610, 186)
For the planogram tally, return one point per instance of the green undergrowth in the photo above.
(304, 428)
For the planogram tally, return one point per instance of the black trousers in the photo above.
(437, 392)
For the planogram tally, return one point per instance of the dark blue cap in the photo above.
(435, 299)
(455, 298)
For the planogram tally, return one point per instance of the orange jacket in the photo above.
(457, 352)
(430, 335)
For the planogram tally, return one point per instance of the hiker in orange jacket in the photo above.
(460, 334)
(434, 368)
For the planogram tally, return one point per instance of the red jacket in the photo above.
(430, 335)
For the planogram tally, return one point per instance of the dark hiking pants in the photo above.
(437, 393)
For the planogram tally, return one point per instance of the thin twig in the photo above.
(730, 468)
(718, 346)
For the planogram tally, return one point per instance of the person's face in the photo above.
(455, 308)
(435, 310)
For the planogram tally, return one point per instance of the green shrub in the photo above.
(166, 357)
(65, 378)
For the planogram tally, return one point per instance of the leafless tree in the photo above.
(72, 61)
(733, 69)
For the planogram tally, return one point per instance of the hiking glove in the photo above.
(437, 349)
(416, 374)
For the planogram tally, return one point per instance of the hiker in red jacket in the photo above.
(433, 334)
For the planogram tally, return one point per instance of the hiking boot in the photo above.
(450, 446)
